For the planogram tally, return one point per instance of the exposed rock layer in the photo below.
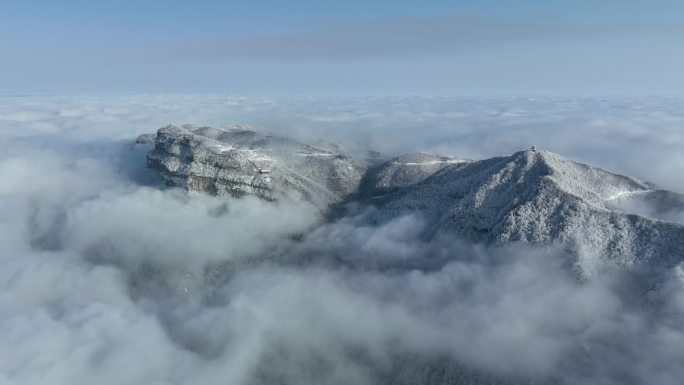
(238, 161)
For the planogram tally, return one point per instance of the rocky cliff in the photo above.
(237, 161)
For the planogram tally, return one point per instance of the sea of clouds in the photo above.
(108, 278)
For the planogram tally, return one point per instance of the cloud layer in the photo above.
(401, 38)
(108, 279)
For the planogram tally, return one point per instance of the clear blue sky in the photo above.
(342, 47)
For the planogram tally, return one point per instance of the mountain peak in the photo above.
(537, 197)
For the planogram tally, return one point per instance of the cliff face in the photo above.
(231, 162)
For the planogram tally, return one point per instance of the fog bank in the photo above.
(110, 278)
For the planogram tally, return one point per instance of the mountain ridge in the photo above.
(539, 198)
(534, 197)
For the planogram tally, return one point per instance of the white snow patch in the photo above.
(454, 161)
(223, 149)
(625, 194)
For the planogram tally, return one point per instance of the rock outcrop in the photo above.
(237, 161)
(146, 139)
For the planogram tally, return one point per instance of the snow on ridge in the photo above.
(432, 162)
(539, 198)
(530, 196)
(623, 194)
(593, 185)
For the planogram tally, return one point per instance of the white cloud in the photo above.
(106, 279)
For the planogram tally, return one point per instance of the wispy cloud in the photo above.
(396, 38)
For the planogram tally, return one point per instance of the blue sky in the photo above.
(350, 47)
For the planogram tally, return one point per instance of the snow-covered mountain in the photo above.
(534, 197)
(541, 198)
(238, 160)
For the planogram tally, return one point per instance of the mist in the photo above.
(110, 278)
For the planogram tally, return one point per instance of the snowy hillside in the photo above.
(540, 198)
(404, 171)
